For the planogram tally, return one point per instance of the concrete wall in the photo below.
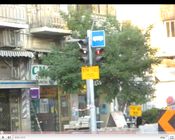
(41, 43)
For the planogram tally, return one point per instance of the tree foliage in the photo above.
(151, 115)
(128, 59)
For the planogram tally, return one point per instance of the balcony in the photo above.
(167, 12)
(45, 23)
(10, 38)
(13, 16)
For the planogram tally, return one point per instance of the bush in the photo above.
(151, 115)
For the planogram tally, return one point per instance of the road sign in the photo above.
(98, 38)
(135, 111)
(167, 121)
(90, 72)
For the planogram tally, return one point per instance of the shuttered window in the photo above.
(170, 28)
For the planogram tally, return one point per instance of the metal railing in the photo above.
(52, 22)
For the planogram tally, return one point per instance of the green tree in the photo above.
(128, 59)
(151, 115)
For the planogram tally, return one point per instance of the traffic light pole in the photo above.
(90, 89)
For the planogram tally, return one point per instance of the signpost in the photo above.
(98, 38)
(91, 72)
(95, 39)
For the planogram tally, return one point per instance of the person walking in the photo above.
(138, 121)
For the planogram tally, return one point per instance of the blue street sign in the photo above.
(98, 38)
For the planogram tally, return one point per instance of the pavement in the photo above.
(143, 129)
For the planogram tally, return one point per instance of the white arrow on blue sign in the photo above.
(98, 38)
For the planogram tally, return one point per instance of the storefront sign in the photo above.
(47, 92)
(35, 93)
(41, 80)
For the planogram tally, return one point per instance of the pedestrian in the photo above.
(138, 121)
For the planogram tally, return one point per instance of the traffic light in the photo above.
(99, 55)
(83, 44)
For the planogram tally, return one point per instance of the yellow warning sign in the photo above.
(90, 72)
(135, 111)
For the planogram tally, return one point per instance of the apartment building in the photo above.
(165, 72)
(15, 64)
(162, 18)
(27, 102)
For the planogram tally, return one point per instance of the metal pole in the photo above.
(90, 63)
(90, 87)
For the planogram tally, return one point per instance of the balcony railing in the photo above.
(167, 12)
(52, 22)
(45, 16)
(13, 14)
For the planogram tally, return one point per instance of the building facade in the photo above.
(165, 72)
(28, 32)
(47, 30)
(15, 64)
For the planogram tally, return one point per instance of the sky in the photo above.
(140, 14)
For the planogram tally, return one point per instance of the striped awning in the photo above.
(16, 53)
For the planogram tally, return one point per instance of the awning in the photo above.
(9, 84)
(15, 53)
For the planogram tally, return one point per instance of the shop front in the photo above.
(10, 118)
(14, 105)
(44, 109)
(44, 104)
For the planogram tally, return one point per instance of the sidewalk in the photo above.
(107, 130)
(143, 129)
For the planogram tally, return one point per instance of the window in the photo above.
(64, 106)
(44, 105)
(170, 28)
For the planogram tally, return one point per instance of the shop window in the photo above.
(170, 28)
(44, 106)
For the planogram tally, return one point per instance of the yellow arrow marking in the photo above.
(163, 121)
